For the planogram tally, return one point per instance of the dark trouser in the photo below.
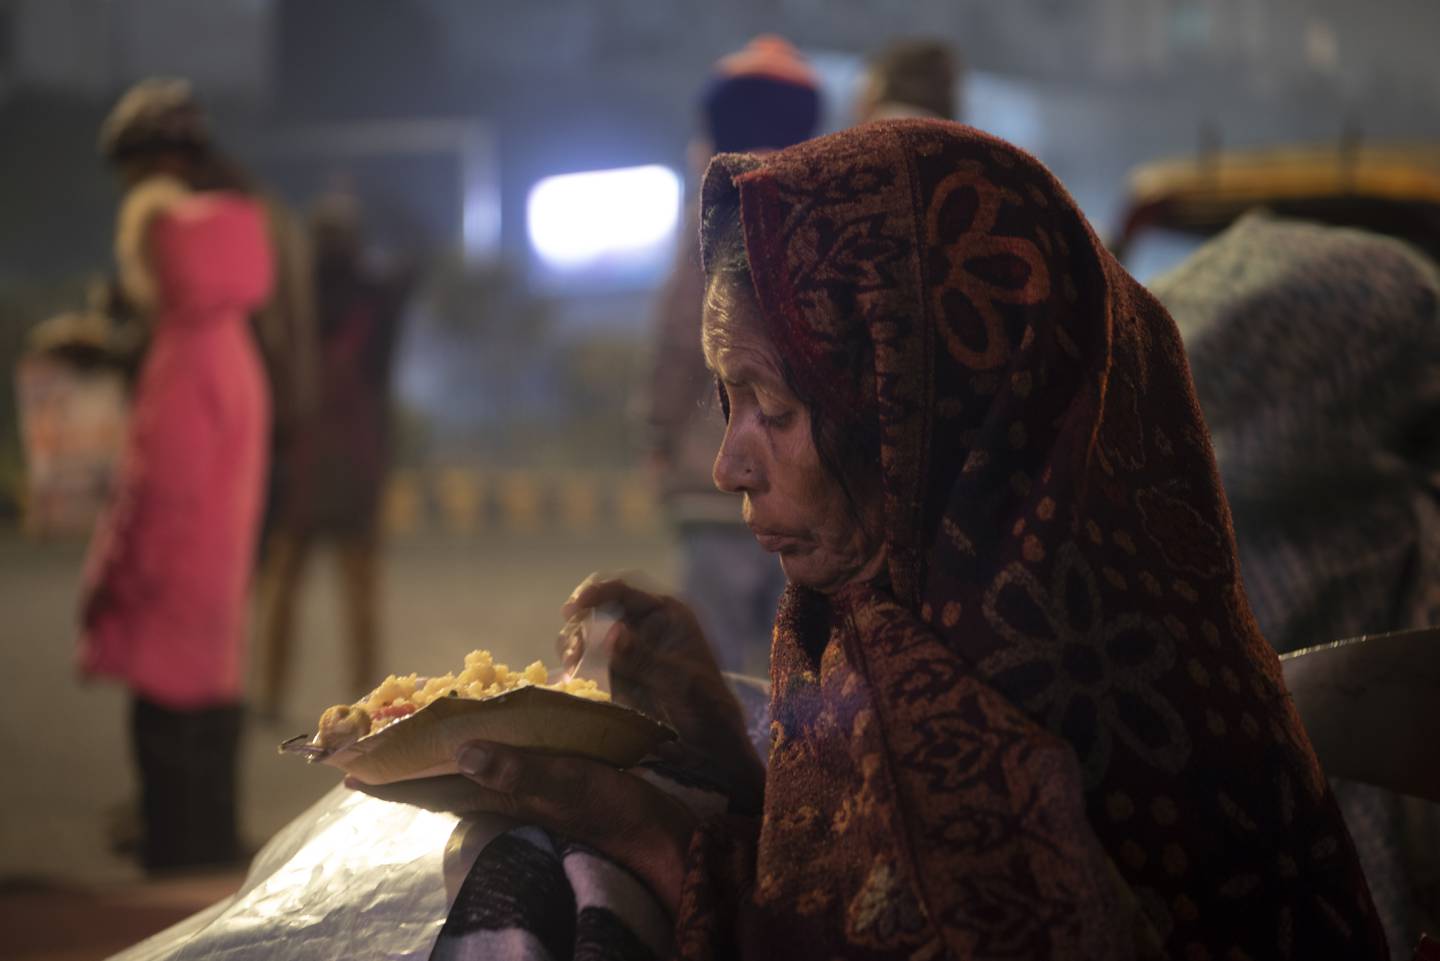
(187, 763)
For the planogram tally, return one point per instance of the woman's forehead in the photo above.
(737, 366)
(732, 335)
(742, 358)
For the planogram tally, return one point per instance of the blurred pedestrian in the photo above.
(764, 97)
(167, 574)
(910, 78)
(1316, 357)
(340, 461)
(159, 142)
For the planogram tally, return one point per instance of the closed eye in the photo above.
(723, 396)
(776, 421)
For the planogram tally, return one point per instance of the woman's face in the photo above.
(792, 504)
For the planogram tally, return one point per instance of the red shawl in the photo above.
(1053, 731)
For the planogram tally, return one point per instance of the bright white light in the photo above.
(588, 219)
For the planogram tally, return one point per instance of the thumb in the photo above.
(619, 642)
(632, 660)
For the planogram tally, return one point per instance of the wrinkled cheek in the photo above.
(801, 569)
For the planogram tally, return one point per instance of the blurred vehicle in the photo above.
(1390, 189)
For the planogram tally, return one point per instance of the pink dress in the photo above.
(168, 572)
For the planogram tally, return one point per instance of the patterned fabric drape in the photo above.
(1053, 730)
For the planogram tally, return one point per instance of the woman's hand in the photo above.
(629, 820)
(662, 665)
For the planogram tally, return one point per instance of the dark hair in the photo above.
(202, 167)
(849, 451)
(918, 73)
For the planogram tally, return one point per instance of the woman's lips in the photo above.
(775, 542)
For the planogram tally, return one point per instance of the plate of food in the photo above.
(411, 727)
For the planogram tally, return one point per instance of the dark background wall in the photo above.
(402, 95)
(583, 84)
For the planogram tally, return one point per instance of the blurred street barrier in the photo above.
(467, 501)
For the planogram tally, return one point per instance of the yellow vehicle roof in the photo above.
(1405, 173)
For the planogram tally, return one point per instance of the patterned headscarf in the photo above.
(1053, 729)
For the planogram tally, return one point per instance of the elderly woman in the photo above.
(1020, 706)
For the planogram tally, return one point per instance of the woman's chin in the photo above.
(803, 571)
(825, 574)
(796, 569)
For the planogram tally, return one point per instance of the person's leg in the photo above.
(158, 743)
(359, 576)
(281, 581)
(211, 745)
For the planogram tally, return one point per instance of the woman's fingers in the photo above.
(504, 770)
(655, 621)
(578, 797)
(568, 794)
(492, 779)
(568, 609)
(596, 591)
(628, 654)
(585, 799)
(629, 820)
(613, 811)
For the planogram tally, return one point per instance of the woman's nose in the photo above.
(735, 472)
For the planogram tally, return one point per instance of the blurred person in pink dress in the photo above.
(167, 577)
